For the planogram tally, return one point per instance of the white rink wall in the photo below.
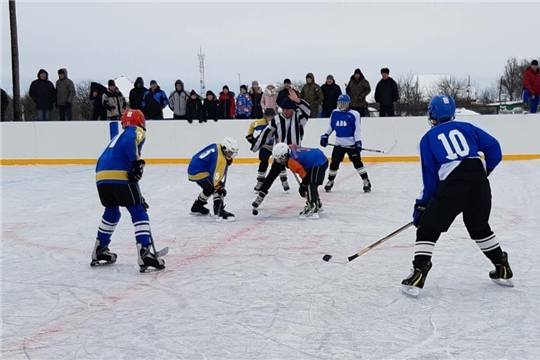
(171, 141)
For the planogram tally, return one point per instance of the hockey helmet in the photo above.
(343, 102)
(132, 117)
(441, 108)
(230, 148)
(281, 152)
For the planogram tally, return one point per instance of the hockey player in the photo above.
(311, 165)
(455, 181)
(346, 123)
(208, 168)
(266, 150)
(118, 172)
(288, 128)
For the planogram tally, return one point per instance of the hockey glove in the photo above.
(302, 190)
(418, 212)
(220, 190)
(324, 140)
(358, 145)
(136, 172)
(250, 139)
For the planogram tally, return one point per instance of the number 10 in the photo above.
(459, 144)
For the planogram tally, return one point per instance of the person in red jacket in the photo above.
(227, 105)
(531, 84)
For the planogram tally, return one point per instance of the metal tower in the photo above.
(201, 71)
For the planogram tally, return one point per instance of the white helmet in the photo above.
(281, 152)
(230, 148)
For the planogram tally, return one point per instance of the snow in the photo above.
(465, 112)
(258, 288)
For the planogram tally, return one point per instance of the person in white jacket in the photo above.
(178, 99)
(269, 98)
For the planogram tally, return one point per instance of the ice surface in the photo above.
(257, 288)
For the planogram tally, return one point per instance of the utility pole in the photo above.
(201, 71)
(15, 61)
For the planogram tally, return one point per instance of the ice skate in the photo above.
(310, 212)
(319, 204)
(258, 201)
(258, 186)
(329, 185)
(222, 214)
(148, 259)
(285, 185)
(199, 209)
(102, 255)
(502, 275)
(413, 284)
(367, 185)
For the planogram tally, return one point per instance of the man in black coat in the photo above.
(43, 94)
(284, 93)
(99, 112)
(386, 94)
(331, 92)
(136, 94)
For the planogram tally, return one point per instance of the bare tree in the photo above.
(511, 80)
(489, 94)
(295, 84)
(82, 105)
(28, 106)
(456, 88)
(412, 100)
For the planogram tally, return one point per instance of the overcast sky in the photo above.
(267, 41)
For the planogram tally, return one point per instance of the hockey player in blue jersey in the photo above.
(118, 172)
(346, 123)
(311, 165)
(455, 179)
(208, 168)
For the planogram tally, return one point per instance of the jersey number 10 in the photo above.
(459, 144)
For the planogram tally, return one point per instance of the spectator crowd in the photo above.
(108, 103)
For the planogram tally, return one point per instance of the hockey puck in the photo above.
(327, 257)
(255, 212)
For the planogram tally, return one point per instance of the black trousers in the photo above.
(65, 112)
(386, 110)
(264, 157)
(338, 154)
(112, 195)
(314, 178)
(275, 170)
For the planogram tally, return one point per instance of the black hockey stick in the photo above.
(343, 260)
(160, 253)
(370, 150)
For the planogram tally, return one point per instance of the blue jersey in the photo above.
(115, 163)
(303, 159)
(445, 145)
(208, 164)
(346, 124)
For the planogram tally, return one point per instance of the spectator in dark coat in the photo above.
(136, 94)
(358, 89)
(386, 94)
(284, 93)
(331, 92)
(227, 106)
(194, 108)
(114, 101)
(43, 94)
(210, 107)
(4, 104)
(154, 101)
(256, 93)
(99, 112)
(65, 93)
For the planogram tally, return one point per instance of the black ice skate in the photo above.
(502, 275)
(102, 255)
(258, 201)
(222, 214)
(329, 185)
(319, 204)
(310, 212)
(413, 284)
(367, 185)
(199, 209)
(258, 186)
(148, 259)
(285, 185)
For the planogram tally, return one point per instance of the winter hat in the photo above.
(287, 81)
(385, 71)
(357, 71)
(62, 71)
(243, 87)
(287, 104)
(111, 83)
(254, 83)
(269, 112)
(534, 62)
(193, 92)
(152, 82)
(329, 77)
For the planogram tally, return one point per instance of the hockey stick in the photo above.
(160, 253)
(343, 260)
(370, 150)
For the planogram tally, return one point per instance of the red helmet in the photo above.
(132, 117)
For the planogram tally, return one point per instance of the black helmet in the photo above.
(269, 112)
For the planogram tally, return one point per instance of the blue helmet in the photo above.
(343, 102)
(441, 108)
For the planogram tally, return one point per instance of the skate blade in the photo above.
(411, 290)
(219, 219)
(314, 216)
(96, 263)
(504, 282)
(147, 269)
(198, 214)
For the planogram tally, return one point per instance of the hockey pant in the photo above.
(313, 179)
(338, 154)
(264, 157)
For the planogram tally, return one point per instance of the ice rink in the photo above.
(258, 288)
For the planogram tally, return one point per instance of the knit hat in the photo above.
(152, 82)
(357, 71)
(243, 87)
(287, 104)
(385, 71)
(193, 92)
(254, 83)
(534, 62)
(111, 83)
(287, 81)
